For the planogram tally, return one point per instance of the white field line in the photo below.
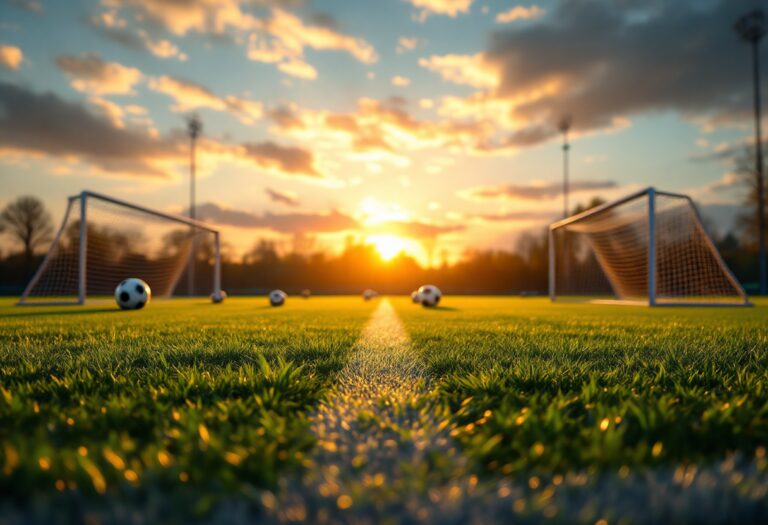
(382, 450)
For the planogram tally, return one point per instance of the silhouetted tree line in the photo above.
(520, 269)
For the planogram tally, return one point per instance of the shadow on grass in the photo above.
(443, 308)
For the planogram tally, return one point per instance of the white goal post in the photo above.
(648, 248)
(103, 240)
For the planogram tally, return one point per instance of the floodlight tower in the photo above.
(751, 28)
(564, 126)
(194, 128)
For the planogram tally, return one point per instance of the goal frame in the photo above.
(82, 199)
(651, 193)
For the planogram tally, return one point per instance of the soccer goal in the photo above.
(103, 240)
(648, 248)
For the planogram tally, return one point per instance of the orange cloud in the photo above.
(399, 81)
(470, 70)
(283, 38)
(11, 57)
(441, 7)
(189, 96)
(203, 16)
(90, 74)
(520, 13)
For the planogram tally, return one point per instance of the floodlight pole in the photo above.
(564, 126)
(194, 127)
(752, 27)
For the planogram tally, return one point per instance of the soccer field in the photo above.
(336, 409)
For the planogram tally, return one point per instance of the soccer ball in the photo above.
(218, 297)
(305, 293)
(430, 295)
(277, 297)
(415, 298)
(369, 294)
(132, 294)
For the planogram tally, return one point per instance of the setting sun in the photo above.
(388, 246)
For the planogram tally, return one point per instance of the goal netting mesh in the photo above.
(121, 240)
(612, 254)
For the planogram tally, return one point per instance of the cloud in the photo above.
(90, 74)
(283, 159)
(10, 57)
(46, 125)
(441, 7)
(282, 39)
(182, 17)
(415, 229)
(519, 216)
(282, 223)
(189, 95)
(32, 6)
(520, 13)
(533, 191)
(288, 198)
(399, 81)
(470, 70)
(603, 61)
(405, 44)
(115, 28)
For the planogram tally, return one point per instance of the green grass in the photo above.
(203, 403)
(552, 388)
(184, 396)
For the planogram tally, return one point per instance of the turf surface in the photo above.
(203, 403)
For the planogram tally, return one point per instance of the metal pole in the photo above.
(552, 273)
(194, 126)
(217, 264)
(759, 170)
(566, 147)
(651, 247)
(82, 262)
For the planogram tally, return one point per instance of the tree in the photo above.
(27, 220)
(745, 170)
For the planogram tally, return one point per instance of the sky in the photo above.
(429, 126)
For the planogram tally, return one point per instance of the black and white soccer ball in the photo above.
(430, 295)
(132, 294)
(415, 297)
(218, 297)
(277, 297)
(369, 294)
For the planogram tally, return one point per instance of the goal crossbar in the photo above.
(608, 236)
(82, 199)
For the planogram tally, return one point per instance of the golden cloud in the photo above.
(11, 57)
(189, 96)
(520, 13)
(90, 74)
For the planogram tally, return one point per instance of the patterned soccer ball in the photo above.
(132, 294)
(430, 295)
(369, 294)
(415, 298)
(277, 297)
(218, 297)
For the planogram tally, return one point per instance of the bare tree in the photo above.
(743, 166)
(27, 220)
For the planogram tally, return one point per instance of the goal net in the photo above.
(647, 248)
(103, 240)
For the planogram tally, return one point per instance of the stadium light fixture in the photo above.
(564, 126)
(751, 27)
(194, 128)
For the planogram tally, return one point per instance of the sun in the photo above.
(387, 245)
